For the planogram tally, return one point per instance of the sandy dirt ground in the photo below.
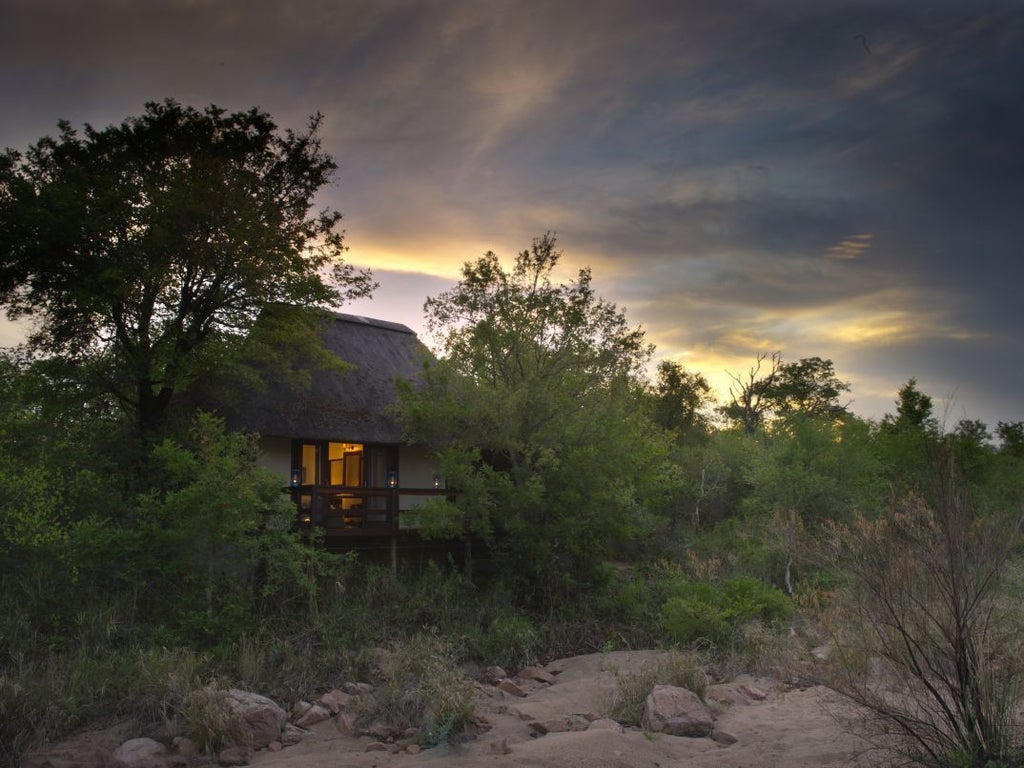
(792, 727)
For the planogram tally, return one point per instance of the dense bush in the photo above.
(419, 685)
(704, 612)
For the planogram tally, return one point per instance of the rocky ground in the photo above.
(552, 718)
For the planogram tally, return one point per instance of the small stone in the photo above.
(537, 673)
(275, 746)
(185, 746)
(346, 723)
(291, 735)
(540, 728)
(509, 687)
(723, 738)
(753, 692)
(493, 674)
(139, 753)
(357, 689)
(335, 701)
(233, 756)
(315, 714)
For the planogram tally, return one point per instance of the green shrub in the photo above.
(709, 613)
(511, 641)
(419, 685)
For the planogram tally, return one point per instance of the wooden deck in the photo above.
(343, 511)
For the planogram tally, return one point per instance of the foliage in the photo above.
(925, 592)
(704, 612)
(807, 471)
(510, 640)
(1011, 436)
(534, 411)
(419, 685)
(913, 411)
(145, 250)
(774, 388)
(681, 401)
(809, 387)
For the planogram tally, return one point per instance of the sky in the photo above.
(832, 178)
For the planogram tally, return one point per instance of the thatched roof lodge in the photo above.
(336, 443)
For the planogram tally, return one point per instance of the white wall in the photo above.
(416, 469)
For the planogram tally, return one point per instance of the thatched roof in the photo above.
(352, 406)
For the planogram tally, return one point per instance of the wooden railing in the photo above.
(347, 511)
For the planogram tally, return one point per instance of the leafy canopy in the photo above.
(774, 388)
(535, 411)
(144, 249)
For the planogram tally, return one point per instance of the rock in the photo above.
(346, 722)
(751, 690)
(509, 687)
(605, 724)
(236, 755)
(537, 673)
(677, 712)
(335, 701)
(300, 708)
(382, 731)
(185, 746)
(722, 737)
(413, 749)
(315, 714)
(140, 753)
(560, 724)
(493, 675)
(291, 734)
(357, 689)
(260, 719)
(578, 723)
(553, 725)
(275, 746)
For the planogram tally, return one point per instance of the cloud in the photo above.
(852, 247)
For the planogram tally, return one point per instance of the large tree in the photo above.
(681, 401)
(535, 408)
(142, 250)
(774, 388)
